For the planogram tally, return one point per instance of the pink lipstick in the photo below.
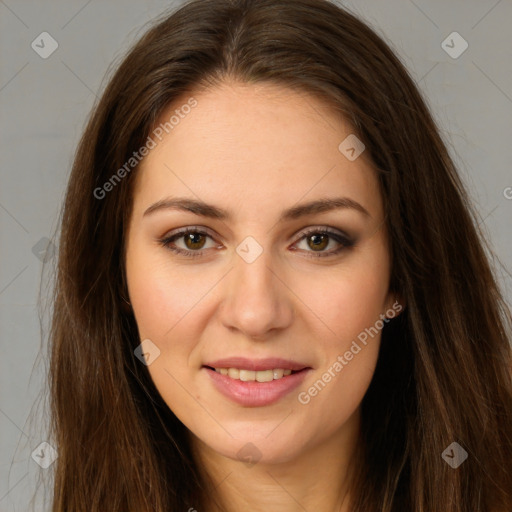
(255, 382)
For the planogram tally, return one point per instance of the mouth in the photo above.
(255, 383)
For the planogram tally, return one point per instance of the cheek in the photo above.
(335, 395)
(340, 382)
(350, 309)
(346, 302)
(167, 311)
(168, 306)
(163, 297)
(157, 306)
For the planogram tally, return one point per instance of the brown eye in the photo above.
(318, 241)
(191, 240)
(194, 240)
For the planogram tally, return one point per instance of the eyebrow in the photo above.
(208, 210)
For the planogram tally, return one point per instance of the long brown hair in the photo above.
(444, 370)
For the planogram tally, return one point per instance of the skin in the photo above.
(257, 150)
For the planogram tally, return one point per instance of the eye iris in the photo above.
(192, 238)
(320, 241)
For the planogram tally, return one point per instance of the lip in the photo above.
(243, 363)
(255, 394)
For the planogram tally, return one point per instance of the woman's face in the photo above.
(257, 175)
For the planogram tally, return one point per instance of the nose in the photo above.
(257, 300)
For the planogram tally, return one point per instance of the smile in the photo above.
(255, 383)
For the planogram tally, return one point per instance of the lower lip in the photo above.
(256, 394)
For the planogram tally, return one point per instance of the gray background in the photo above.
(44, 104)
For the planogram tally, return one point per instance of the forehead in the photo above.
(257, 147)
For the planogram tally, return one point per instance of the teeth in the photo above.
(277, 373)
(251, 375)
(264, 376)
(247, 375)
(234, 373)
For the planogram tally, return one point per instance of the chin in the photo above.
(267, 449)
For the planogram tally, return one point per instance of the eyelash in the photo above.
(345, 242)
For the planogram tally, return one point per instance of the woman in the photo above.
(272, 290)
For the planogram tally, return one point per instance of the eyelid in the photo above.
(189, 229)
(322, 229)
(180, 232)
(345, 240)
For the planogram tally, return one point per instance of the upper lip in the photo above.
(270, 363)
